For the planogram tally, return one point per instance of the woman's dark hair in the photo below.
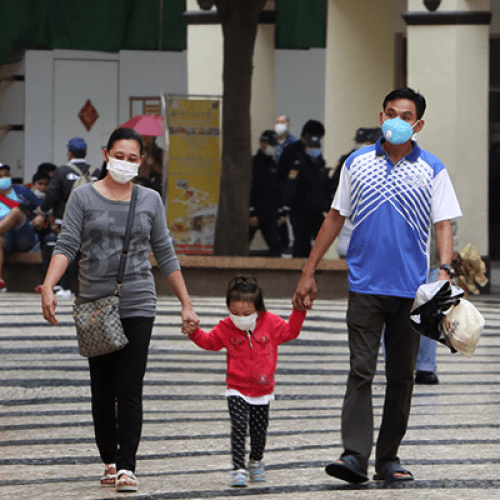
(125, 133)
(407, 93)
(245, 288)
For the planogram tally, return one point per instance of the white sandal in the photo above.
(107, 476)
(121, 484)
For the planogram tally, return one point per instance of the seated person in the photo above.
(46, 235)
(17, 206)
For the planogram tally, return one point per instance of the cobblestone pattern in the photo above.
(47, 449)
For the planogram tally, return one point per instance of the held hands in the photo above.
(305, 293)
(190, 320)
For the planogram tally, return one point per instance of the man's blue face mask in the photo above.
(397, 131)
(5, 183)
(313, 153)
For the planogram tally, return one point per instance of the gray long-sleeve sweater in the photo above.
(96, 226)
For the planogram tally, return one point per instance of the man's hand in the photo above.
(305, 293)
(254, 221)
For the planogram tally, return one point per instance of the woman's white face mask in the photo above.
(122, 171)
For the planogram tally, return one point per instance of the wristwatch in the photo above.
(448, 268)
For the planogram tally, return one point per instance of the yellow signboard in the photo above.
(193, 173)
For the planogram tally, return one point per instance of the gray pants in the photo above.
(366, 317)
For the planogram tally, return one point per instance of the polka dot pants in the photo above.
(242, 412)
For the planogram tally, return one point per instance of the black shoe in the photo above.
(426, 378)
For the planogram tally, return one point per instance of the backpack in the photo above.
(83, 179)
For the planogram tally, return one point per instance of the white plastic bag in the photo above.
(462, 325)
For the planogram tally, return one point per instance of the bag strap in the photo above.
(126, 243)
(7, 201)
(78, 170)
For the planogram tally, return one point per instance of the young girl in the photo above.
(251, 336)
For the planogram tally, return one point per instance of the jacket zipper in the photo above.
(249, 333)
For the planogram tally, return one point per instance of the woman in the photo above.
(94, 223)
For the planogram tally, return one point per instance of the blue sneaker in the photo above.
(240, 478)
(257, 471)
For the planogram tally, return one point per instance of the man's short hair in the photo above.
(313, 127)
(287, 118)
(4, 167)
(410, 94)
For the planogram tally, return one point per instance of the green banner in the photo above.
(102, 25)
(300, 24)
(114, 25)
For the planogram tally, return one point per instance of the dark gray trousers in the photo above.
(366, 317)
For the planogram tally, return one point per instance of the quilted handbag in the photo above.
(99, 328)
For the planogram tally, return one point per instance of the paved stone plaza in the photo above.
(47, 449)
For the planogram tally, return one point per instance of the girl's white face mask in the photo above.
(244, 322)
(122, 171)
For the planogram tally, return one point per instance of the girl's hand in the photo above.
(190, 320)
(49, 303)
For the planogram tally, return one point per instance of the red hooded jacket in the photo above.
(251, 359)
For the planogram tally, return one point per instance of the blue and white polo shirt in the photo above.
(392, 208)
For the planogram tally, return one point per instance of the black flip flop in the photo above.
(389, 470)
(347, 469)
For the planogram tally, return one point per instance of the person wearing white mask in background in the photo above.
(265, 195)
(95, 221)
(282, 128)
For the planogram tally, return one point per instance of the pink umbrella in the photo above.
(147, 124)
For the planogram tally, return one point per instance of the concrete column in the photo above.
(359, 69)
(448, 61)
(205, 63)
(204, 53)
(262, 104)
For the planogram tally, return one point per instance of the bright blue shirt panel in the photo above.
(391, 208)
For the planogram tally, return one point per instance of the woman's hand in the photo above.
(49, 303)
(190, 320)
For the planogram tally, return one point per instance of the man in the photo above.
(58, 192)
(17, 203)
(392, 191)
(282, 128)
(306, 195)
(265, 196)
